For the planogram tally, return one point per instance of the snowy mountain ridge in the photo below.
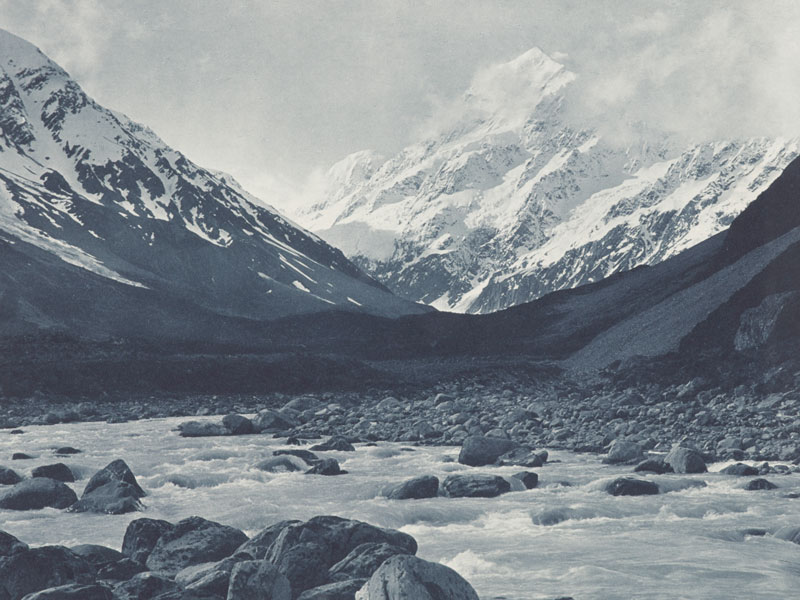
(105, 194)
(514, 198)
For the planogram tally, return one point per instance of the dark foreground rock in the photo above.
(304, 552)
(629, 486)
(144, 586)
(406, 577)
(141, 537)
(10, 545)
(477, 450)
(209, 578)
(363, 561)
(33, 494)
(256, 580)
(113, 498)
(237, 424)
(475, 486)
(41, 568)
(58, 471)
(256, 547)
(97, 555)
(425, 486)
(193, 541)
(339, 590)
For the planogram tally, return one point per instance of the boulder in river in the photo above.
(305, 455)
(789, 533)
(477, 450)
(271, 421)
(402, 577)
(686, 460)
(116, 470)
(520, 457)
(9, 476)
(285, 463)
(528, 478)
(33, 494)
(141, 537)
(553, 516)
(630, 486)
(237, 424)
(327, 466)
(256, 580)
(740, 469)
(624, 452)
(113, 498)
(57, 471)
(425, 486)
(336, 442)
(475, 486)
(121, 570)
(202, 429)
(760, 484)
(41, 568)
(193, 541)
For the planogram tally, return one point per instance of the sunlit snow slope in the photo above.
(95, 201)
(517, 197)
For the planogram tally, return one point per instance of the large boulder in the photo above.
(9, 476)
(271, 421)
(201, 429)
(256, 547)
(760, 484)
(141, 537)
(113, 498)
(624, 452)
(144, 586)
(193, 541)
(475, 486)
(629, 486)
(121, 570)
(58, 471)
(528, 478)
(363, 561)
(478, 450)
(10, 545)
(686, 460)
(41, 568)
(33, 494)
(73, 591)
(336, 442)
(116, 470)
(521, 457)
(425, 486)
(305, 551)
(406, 577)
(258, 580)
(237, 424)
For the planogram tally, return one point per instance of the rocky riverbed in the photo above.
(514, 521)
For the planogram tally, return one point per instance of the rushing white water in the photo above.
(687, 543)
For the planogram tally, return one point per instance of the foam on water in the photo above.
(687, 542)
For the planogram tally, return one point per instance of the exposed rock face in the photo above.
(406, 577)
(756, 324)
(144, 585)
(624, 452)
(363, 561)
(258, 580)
(10, 545)
(73, 591)
(58, 471)
(141, 537)
(256, 547)
(686, 460)
(40, 492)
(116, 470)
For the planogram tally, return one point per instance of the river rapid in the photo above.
(686, 543)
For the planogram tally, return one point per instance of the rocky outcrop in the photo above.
(406, 577)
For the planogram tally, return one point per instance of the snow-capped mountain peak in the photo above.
(513, 198)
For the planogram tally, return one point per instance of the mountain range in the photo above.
(104, 228)
(515, 196)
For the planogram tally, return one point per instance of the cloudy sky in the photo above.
(273, 90)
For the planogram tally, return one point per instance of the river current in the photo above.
(686, 543)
